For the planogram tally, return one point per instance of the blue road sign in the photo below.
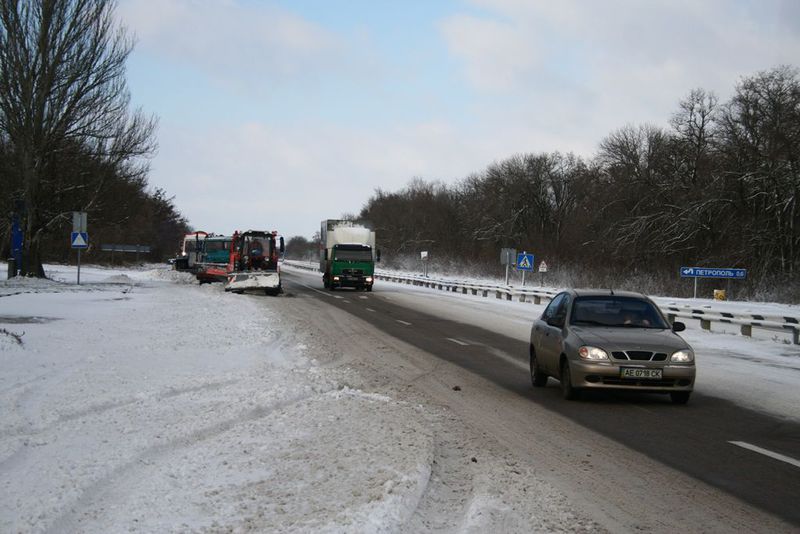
(524, 262)
(80, 240)
(706, 272)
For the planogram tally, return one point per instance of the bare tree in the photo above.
(64, 99)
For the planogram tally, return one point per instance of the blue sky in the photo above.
(276, 115)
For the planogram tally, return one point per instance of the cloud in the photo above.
(497, 55)
(230, 40)
(288, 178)
(614, 61)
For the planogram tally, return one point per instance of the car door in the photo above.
(548, 336)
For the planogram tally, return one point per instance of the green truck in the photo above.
(347, 254)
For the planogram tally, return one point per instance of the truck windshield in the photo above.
(347, 254)
(213, 246)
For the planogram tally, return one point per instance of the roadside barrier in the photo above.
(706, 316)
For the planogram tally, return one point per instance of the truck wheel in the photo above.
(369, 288)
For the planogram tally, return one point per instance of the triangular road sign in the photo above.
(80, 240)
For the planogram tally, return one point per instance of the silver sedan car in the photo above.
(612, 340)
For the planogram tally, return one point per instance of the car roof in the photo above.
(605, 293)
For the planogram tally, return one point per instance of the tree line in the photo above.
(69, 140)
(718, 186)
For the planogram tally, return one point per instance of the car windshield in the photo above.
(622, 312)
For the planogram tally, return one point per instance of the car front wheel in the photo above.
(567, 390)
(538, 378)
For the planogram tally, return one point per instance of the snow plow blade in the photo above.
(254, 281)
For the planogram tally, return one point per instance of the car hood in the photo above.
(651, 339)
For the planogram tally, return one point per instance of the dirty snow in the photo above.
(140, 401)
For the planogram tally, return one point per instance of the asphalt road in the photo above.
(745, 453)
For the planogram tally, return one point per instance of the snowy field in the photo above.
(140, 401)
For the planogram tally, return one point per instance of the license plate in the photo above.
(633, 372)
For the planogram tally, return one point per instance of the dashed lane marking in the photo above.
(363, 297)
(403, 322)
(370, 310)
(317, 290)
(457, 341)
(766, 452)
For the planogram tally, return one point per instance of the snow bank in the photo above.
(144, 405)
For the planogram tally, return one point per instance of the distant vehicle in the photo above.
(216, 251)
(347, 254)
(606, 339)
(253, 262)
(191, 250)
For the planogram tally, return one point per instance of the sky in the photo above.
(275, 115)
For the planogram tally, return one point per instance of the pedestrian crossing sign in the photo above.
(524, 262)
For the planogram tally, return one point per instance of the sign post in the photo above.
(524, 264)
(424, 257)
(79, 238)
(506, 257)
(712, 272)
(542, 270)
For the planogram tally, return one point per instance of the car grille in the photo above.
(352, 272)
(639, 355)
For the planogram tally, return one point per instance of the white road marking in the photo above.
(777, 456)
(457, 341)
(337, 297)
(363, 297)
(403, 322)
(513, 361)
(346, 301)
(317, 290)
(370, 310)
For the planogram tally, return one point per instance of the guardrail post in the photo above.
(747, 330)
(537, 299)
(671, 317)
(474, 291)
(485, 292)
(705, 324)
(508, 296)
(498, 294)
(522, 298)
(796, 335)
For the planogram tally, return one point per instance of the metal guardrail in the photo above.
(706, 316)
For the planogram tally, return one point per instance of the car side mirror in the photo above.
(678, 326)
(556, 321)
(282, 245)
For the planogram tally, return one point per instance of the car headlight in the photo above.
(682, 356)
(335, 278)
(369, 279)
(592, 353)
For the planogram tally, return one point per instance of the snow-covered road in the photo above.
(142, 402)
